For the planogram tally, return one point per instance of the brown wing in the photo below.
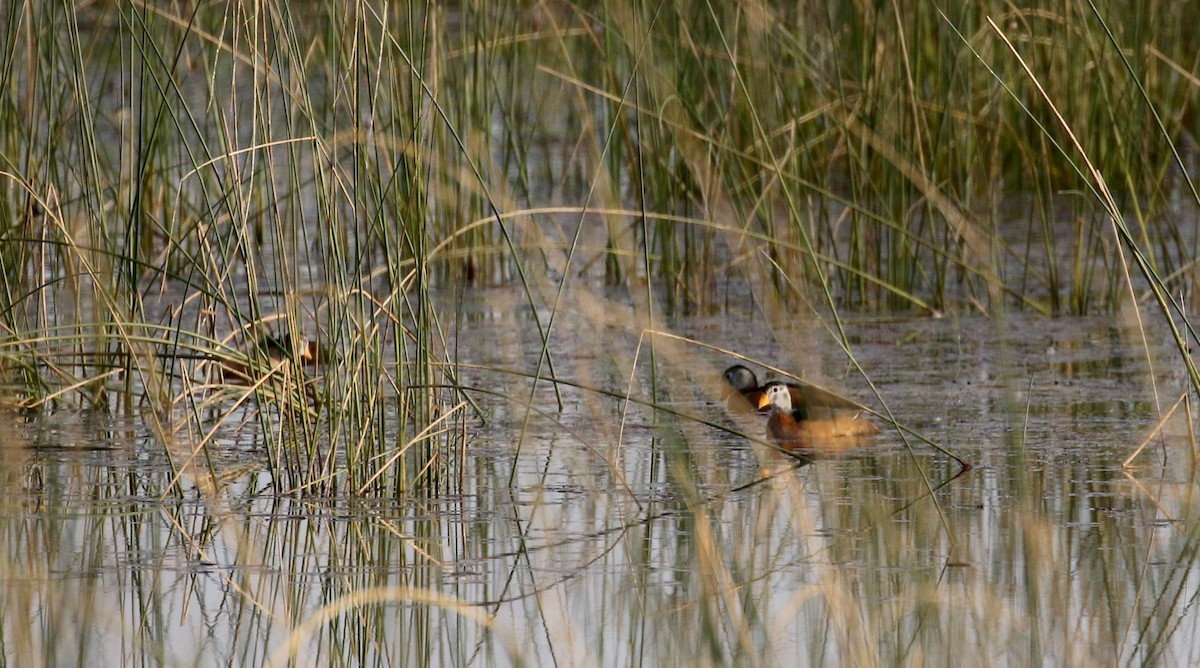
(828, 434)
(809, 396)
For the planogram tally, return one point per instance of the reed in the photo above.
(870, 159)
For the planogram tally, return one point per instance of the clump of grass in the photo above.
(830, 156)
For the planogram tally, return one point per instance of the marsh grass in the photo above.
(180, 179)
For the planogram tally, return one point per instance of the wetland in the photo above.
(524, 240)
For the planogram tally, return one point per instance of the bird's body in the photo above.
(744, 395)
(274, 350)
(794, 428)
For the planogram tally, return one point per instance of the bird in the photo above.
(743, 394)
(272, 350)
(793, 428)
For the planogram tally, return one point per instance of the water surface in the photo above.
(610, 533)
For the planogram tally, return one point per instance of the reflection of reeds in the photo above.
(178, 179)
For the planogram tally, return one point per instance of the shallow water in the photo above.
(632, 535)
(568, 526)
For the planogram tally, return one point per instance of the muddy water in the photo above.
(609, 533)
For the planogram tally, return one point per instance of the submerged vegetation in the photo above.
(183, 181)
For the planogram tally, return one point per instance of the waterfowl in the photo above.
(273, 350)
(793, 428)
(744, 395)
